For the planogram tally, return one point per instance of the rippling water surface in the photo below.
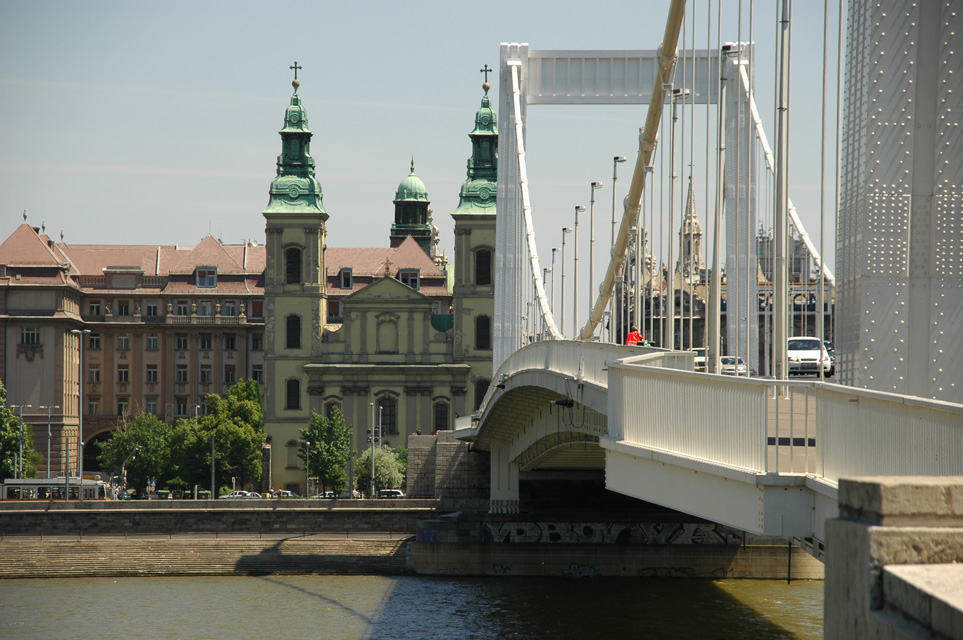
(408, 607)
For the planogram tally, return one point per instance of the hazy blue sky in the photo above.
(154, 122)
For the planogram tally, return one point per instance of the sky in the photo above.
(156, 123)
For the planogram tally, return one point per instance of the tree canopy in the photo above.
(10, 438)
(387, 470)
(330, 442)
(152, 439)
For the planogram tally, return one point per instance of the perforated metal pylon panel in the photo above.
(900, 237)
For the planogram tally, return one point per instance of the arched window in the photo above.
(292, 398)
(483, 333)
(330, 406)
(483, 267)
(388, 411)
(441, 416)
(481, 388)
(293, 337)
(292, 265)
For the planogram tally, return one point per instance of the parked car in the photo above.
(805, 356)
(326, 495)
(831, 350)
(391, 493)
(235, 495)
(733, 366)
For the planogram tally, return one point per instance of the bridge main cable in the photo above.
(647, 144)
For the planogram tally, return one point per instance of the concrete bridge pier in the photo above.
(504, 490)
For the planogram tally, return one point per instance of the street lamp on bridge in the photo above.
(565, 230)
(578, 209)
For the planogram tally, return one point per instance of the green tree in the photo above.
(330, 440)
(152, 439)
(10, 437)
(387, 470)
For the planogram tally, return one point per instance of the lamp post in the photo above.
(578, 208)
(591, 296)
(565, 230)
(545, 272)
(49, 434)
(81, 334)
(371, 491)
(615, 177)
(18, 468)
(307, 467)
(123, 466)
(668, 337)
(554, 249)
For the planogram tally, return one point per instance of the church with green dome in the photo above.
(392, 333)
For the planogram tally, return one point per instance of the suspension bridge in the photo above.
(761, 453)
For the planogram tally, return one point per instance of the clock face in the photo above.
(486, 119)
(295, 117)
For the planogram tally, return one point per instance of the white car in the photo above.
(236, 494)
(805, 356)
(733, 366)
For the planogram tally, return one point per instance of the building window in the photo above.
(257, 308)
(181, 343)
(330, 406)
(182, 307)
(206, 308)
(207, 375)
(180, 405)
(292, 266)
(388, 414)
(151, 373)
(483, 333)
(292, 398)
(123, 341)
(229, 309)
(153, 342)
(93, 342)
(93, 372)
(123, 307)
(93, 406)
(94, 308)
(257, 342)
(345, 278)
(334, 308)
(293, 337)
(206, 277)
(257, 373)
(29, 335)
(180, 375)
(230, 375)
(481, 388)
(410, 277)
(207, 343)
(483, 267)
(230, 342)
(123, 374)
(123, 405)
(441, 416)
(152, 308)
(150, 405)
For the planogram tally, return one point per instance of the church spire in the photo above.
(690, 240)
(478, 191)
(296, 189)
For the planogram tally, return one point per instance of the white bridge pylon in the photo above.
(589, 77)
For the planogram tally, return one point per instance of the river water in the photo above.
(383, 607)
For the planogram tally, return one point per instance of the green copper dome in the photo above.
(411, 189)
(479, 190)
(295, 189)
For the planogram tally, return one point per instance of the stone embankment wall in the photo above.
(449, 470)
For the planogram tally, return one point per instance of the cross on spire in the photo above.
(486, 71)
(295, 66)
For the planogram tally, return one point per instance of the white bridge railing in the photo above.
(793, 427)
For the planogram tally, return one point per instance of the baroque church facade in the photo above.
(385, 333)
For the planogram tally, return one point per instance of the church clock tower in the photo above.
(294, 279)
(474, 292)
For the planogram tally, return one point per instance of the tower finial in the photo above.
(486, 71)
(24, 215)
(296, 83)
(412, 163)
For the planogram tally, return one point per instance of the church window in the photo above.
(410, 277)
(206, 277)
(388, 414)
(483, 333)
(345, 277)
(292, 399)
(481, 388)
(292, 449)
(292, 266)
(483, 267)
(441, 416)
(293, 337)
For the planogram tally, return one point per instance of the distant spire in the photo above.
(43, 226)
(486, 71)
(61, 235)
(412, 163)
(24, 215)
(296, 83)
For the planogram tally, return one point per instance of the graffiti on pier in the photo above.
(582, 571)
(694, 533)
(683, 572)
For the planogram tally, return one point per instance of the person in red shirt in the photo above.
(634, 337)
